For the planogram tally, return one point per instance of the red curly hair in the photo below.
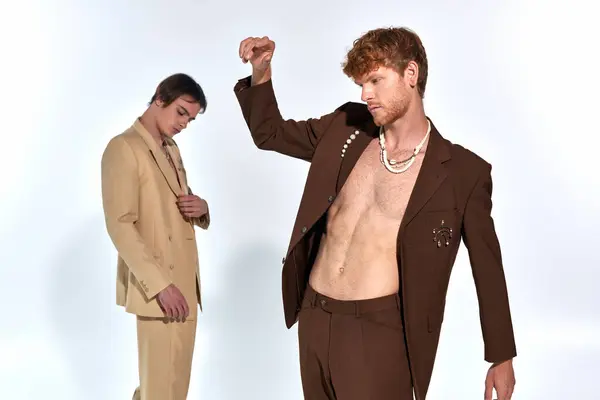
(387, 47)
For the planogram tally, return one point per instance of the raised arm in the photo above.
(486, 262)
(120, 198)
(259, 107)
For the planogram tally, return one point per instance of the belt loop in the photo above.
(356, 309)
(313, 299)
(398, 302)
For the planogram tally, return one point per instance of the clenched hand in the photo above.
(259, 52)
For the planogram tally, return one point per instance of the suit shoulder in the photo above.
(354, 108)
(355, 113)
(467, 167)
(128, 138)
(468, 158)
(124, 146)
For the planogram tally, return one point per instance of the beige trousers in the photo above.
(165, 351)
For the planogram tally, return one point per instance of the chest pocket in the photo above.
(439, 223)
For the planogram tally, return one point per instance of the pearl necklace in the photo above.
(389, 164)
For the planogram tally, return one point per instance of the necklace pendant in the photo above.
(388, 164)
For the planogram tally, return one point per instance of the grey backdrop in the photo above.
(515, 81)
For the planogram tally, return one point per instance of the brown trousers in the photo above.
(352, 350)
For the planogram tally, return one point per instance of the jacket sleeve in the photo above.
(120, 198)
(270, 131)
(486, 263)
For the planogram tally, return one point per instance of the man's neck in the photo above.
(407, 131)
(149, 123)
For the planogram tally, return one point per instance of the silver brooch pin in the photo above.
(349, 141)
(442, 234)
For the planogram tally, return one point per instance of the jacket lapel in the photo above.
(176, 157)
(430, 177)
(159, 158)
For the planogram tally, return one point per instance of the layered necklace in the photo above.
(398, 167)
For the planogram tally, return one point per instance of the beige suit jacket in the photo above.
(156, 245)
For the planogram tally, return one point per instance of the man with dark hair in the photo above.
(386, 203)
(178, 85)
(150, 214)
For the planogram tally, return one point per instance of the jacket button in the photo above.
(283, 260)
(304, 229)
(330, 199)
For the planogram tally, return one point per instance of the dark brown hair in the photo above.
(178, 85)
(387, 47)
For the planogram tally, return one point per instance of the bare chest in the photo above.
(371, 186)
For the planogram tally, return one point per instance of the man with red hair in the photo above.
(385, 206)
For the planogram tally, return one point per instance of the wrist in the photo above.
(260, 76)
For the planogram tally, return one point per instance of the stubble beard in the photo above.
(396, 109)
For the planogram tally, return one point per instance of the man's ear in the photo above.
(411, 73)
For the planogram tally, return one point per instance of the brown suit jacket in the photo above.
(451, 200)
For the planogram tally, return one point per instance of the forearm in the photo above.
(139, 257)
(488, 272)
(269, 130)
(260, 77)
(494, 308)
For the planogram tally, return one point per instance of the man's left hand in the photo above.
(192, 206)
(501, 376)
